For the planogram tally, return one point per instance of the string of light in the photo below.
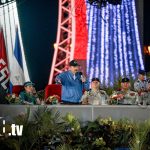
(114, 47)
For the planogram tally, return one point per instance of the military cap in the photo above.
(95, 79)
(142, 72)
(28, 83)
(125, 80)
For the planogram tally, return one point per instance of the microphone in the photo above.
(82, 76)
(80, 73)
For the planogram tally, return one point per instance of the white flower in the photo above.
(13, 96)
(72, 129)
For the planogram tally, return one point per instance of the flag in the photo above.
(17, 71)
(4, 72)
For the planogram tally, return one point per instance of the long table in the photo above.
(85, 112)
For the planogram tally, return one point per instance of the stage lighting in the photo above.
(103, 3)
(147, 50)
(98, 3)
(2, 2)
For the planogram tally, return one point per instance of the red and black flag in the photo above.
(4, 72)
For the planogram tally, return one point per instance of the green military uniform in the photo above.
(94, 97)
(140, 87)
(147, 95)
(129, 97)
(27, 98)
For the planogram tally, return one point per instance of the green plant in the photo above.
(42, 128)
(72, 123)
(124, 132)
(52, 99)
(45, 127)
(9, 144)
(141, 140)
(49, 126)
(64, 147)
(148, 74)
(30, 134)
(12, 99)
(117, 85)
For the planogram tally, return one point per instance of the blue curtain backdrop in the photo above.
(114, 47)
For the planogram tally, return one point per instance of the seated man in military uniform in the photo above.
(125, 95)
(140, 86)
(94, 96)
(147, 97)
(29, 95)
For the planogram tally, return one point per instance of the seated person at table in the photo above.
(147, 97)
(140, 86)
(125, 95)
(29, 95)
(94, 96)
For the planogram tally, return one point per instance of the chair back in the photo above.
(53, 89)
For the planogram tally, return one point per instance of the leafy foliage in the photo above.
(45, 128)
(141, 140)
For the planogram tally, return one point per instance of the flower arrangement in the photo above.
(13, 99)
(113, 100)
(52, 99)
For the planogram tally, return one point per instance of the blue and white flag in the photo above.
(17, 71)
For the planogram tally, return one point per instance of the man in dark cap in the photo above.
(29, 95)
(73, 82)
(95, 96)
(125, 95)
(140, 85)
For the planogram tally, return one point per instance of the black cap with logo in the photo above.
(125, 80)
(142, 72)
(74, 63)
(95, 79)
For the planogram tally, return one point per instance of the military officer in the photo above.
(125, 95)
(95, 96)
(140, 86)
(29, 95)
(147, 97)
